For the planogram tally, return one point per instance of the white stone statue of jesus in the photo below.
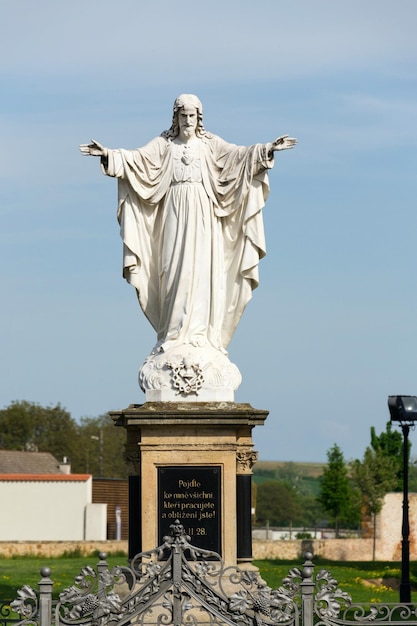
(190, 214)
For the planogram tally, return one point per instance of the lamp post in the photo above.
(403, 409)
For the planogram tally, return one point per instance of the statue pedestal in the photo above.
(192, 462)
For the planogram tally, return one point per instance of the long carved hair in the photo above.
(182, 101)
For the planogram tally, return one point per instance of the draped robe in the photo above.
(192, 233)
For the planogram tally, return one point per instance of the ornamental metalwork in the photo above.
(7, 616)
(176, 583)
(180, 584)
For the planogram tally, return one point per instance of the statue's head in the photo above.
(187, 101)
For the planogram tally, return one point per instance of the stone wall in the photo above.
(332, 549)
(336, 549)
(46, 549)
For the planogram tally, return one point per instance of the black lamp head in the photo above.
(403, 408)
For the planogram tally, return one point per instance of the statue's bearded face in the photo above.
(187, 121)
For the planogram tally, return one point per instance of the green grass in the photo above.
(18, 571)
(361, 580)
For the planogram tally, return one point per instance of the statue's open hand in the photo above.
(283, 143)
(93, 149)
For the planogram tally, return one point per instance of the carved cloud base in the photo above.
(189, 374)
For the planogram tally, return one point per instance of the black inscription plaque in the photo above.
(191, 495)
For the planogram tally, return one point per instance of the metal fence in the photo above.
(6, 614)
(180, 584)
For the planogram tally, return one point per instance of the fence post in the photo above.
(102, 566)
(45, 597)
(307, 590)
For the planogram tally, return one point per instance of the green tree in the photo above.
(313, 512)
(100, 448)
(277, 503)
(29, 426)
(93, 446)
(336, 494)
(374, 476)
(290, 474)
(389, 445)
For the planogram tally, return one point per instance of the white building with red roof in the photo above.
(42, 501)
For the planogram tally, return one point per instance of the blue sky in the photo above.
(331, 331)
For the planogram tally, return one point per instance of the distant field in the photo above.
(310, 470)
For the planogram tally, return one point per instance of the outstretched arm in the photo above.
(283, 143)
(94, 149)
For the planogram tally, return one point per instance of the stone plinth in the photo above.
(164, 438)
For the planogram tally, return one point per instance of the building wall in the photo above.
(113, 492)
(47, 508)
(95, 527)
(388, 532)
